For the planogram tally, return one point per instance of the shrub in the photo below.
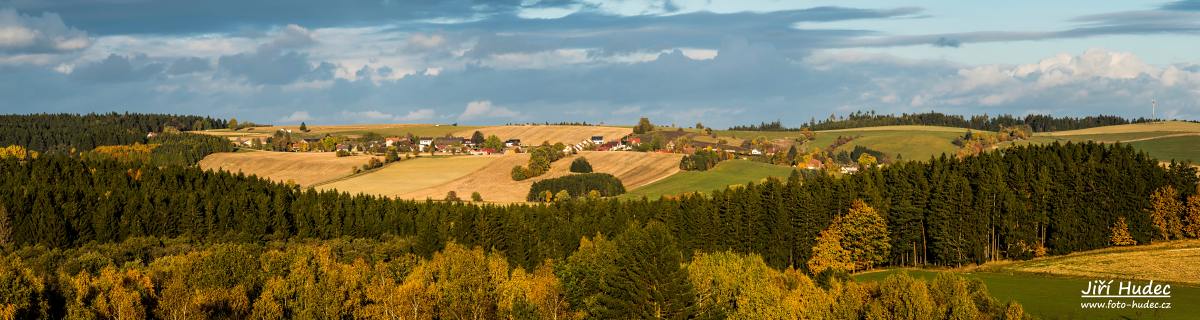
(577, 185)
(343, 153)
(519, 173)
(581, 165)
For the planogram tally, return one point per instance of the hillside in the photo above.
(410, 175)
(535, 134)
(910, 142)
(302, 168)
(1165, 140)
(495, 184)
(725, 174)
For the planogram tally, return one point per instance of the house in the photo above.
(849, 170)
(812, 164)
(597, 140)
(756, 152)
(424, 143)
(392, 141)
(512, 143)
(343, 147)
(443, 143)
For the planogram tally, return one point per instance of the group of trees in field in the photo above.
(701, 160)
(180, 149)
(68, 133)
(593, 185)
(581, 165)
(1036, 122)
(636, 275)
(540, 158)
(1015, 203)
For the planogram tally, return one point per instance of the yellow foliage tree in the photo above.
(829, 253)
(1191, 218)
(1165, 210)
(17, 152)
(1120, 234)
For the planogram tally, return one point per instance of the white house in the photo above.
(598, 140)
(849, 170)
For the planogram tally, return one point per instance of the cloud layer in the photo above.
(492, 63)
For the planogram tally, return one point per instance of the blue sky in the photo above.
(677, 61)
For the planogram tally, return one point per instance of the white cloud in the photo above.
(297, 117)
(47, 33)
(483, 109)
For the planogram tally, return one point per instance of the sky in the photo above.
(718, 62)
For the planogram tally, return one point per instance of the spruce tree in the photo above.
(648, 282)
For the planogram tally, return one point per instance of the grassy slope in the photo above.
(910, 142)
(1050, 286)
(1162, 140)
(726, 173)
(1058, 297)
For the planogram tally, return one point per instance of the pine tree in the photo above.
(303, 127)
(1120, 234)
(649, 282)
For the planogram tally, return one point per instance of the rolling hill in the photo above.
(304, 169)
(535, 134)
(725, 174)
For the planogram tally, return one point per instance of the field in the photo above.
(726, 173)
(304, 169)
(490, 175)
(1162, 140)
(530, 134)
(1050, 287)
(1058, 298)
(910, 142)
(410, 175)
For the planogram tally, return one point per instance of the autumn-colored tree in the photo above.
(585, 273)
(1120, 234)
(16, 152)
(864, 235)
(562, 195)
(866, 160)
(22, 292)
(1165, 211)
(828, 253)
(1191, 218)
(737, 286)
(5, 228)
(904, 297)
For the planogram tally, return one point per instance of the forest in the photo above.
(860, 119)
(68, 133)
(1015, 203)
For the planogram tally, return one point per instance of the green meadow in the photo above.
(1052, 297)
(724, 174)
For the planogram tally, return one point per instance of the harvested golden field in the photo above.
(411, 175)
(494, 183)
(303, 168)
(1164, 126)
(530, 134)
(901, 128)
(1175, 261)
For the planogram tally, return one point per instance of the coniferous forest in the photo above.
(103, 237)
(72, 133)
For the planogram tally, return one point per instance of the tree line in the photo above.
(179, 149)
(860, 119)
(1015, 203)
(66, 133)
